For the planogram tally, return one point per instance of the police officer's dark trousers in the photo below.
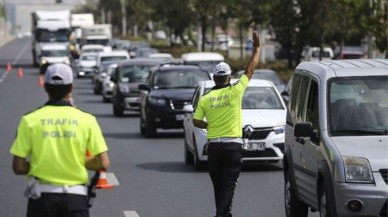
(58, 205)
(224, 162)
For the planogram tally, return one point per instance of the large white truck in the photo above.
(49, 27)
(77, 22)
(97, 34)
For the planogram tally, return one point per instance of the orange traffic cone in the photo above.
(103, 182)
(9, 67)
(41, 81)
(20, 73)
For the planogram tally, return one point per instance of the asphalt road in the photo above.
(154, 181)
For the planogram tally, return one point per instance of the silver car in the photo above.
(336, 142)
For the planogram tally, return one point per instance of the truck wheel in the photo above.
(293, 207)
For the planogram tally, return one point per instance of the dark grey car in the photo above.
(129, 74)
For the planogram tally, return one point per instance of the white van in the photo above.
(113, 55)
(336, 142)
(313, 53)
(207, 60)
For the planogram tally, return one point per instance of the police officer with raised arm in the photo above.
(50, 148)
(222, 109)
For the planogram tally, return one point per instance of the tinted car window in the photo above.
(89, 57)
(103, 59)
(134, 73)
(179, 79)
(55, 53)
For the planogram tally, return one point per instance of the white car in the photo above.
(107, 84)
(86, 64)
(92, 48)
(164, 57)
(263, 111)
(313, 53)
(207, 60)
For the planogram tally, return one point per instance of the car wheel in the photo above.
(142, 127)
(150, 129)
(324, 204)
(117, 111)
(105, 99)
(293, 207)
(198, 164)
(188, 156)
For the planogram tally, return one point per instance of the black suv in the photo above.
(129, 74)
(168, 88)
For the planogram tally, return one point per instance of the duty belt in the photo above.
(225, 140)
(74, 189)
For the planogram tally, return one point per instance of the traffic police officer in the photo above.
(222, 109)
(55, 138)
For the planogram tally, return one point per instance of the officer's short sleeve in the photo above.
(21, 146)
(96, 143)
(239, 87)
(199, 113)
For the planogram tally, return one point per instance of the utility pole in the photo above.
(124, 17)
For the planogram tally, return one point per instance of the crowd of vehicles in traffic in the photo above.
(327, 125)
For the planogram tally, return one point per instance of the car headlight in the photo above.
(124, 89)
(111, 84)
(44, 61)
(157, 101)
(279, 129)
(357, 170)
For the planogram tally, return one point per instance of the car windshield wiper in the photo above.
(361, 132)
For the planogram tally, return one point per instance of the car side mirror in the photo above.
(143, 87)
(302, 130)
(188, 108)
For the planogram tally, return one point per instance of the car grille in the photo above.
(266, 153)
(384, 210)
(259, 133)
(178, 104)
(384, 174)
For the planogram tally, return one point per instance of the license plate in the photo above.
(255, 146)
(179, 117)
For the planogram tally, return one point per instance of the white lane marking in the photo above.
(130, 214)
(20, 54)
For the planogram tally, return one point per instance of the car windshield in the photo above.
(267, 75)
(92, 50)
(44, 35)
(130, 74)
(259, 98)
(179, 79)
(108, 58)
(358, 106)
(55, 53)
(105, 65)
(324, 53)
(104, 42)
(89, 57)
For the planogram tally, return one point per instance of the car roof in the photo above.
(154, 55)
(168, 67)
(114, 53)
(344, 68)
(139, 61)
(92, 46)
(202, 56)
(88, 54)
